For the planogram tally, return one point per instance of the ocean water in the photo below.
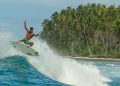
(17, 71)
(51, 69)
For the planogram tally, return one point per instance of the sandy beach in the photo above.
(95, 58)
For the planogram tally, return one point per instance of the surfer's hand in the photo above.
(25, 22)
(36, 35)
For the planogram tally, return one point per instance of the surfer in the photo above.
(28, 36)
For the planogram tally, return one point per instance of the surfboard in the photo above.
(24, 48)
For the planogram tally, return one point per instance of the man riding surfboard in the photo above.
(28, 36)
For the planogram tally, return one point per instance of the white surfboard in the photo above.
(24, 48)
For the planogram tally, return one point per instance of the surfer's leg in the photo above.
(22, 40)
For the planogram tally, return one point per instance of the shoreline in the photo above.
(95, 59)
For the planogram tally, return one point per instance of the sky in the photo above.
(14, 12)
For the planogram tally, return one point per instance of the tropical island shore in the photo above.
(91, 29)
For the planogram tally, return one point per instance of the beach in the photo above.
(95, 58)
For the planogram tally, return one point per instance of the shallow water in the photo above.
(109, 69)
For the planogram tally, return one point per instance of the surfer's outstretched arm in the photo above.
(25, 26)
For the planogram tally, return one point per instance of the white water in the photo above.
(6, 48)
(65, 70)
(56, 67)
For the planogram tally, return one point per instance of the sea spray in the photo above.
(6, 48)
(65, 70)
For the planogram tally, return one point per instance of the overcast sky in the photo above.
(14, 12)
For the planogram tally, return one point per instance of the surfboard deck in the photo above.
(24, 48)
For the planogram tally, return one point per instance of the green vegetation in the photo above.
(88, 30)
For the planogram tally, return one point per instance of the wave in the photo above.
(65, 70)
(57, 67)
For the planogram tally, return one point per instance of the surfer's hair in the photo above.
(31, 28)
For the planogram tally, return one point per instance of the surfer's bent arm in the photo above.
(25, 26)
(34, 35)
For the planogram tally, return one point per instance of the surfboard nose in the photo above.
(13, 43)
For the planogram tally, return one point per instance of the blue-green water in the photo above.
(17, 71)
(112, 70)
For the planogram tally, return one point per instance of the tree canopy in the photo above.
(91, 29)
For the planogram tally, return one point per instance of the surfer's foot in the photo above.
(31, 44)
